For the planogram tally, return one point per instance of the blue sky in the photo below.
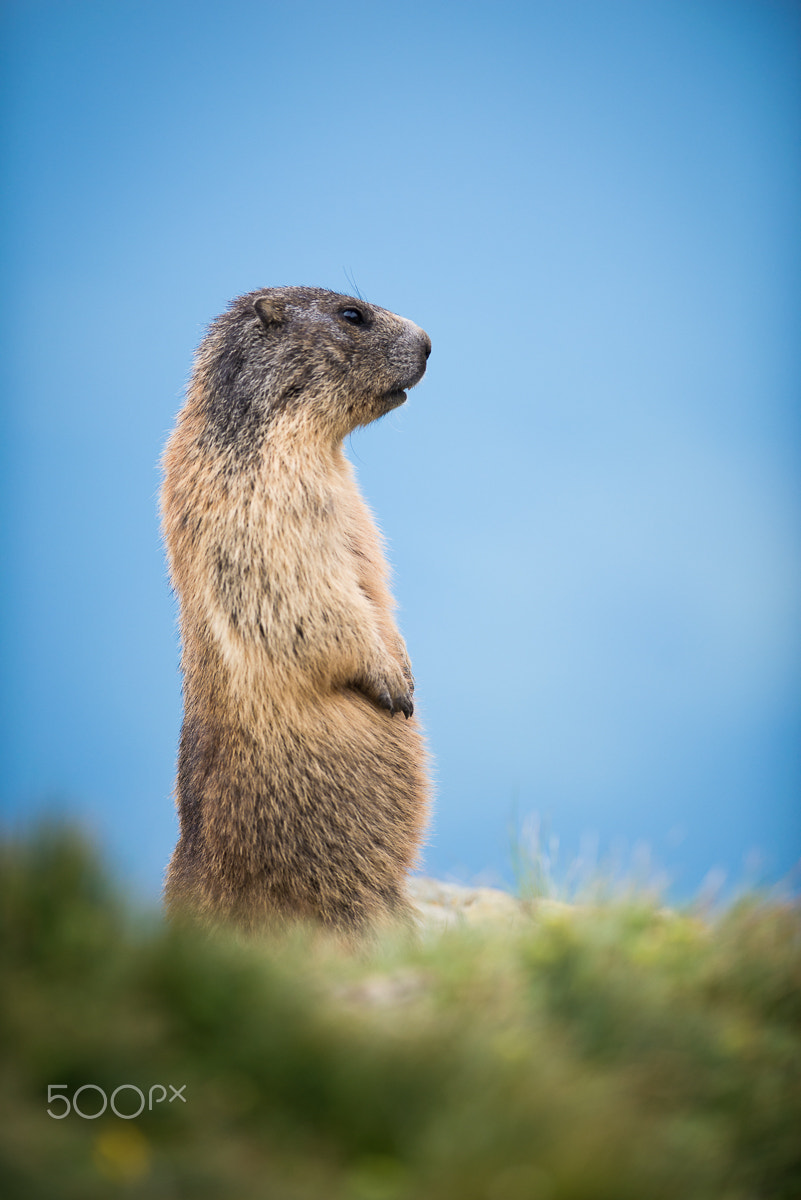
(592, 498)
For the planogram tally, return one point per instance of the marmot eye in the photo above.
(353, 315)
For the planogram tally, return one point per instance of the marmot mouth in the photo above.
(393, 399)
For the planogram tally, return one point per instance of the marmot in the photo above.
(301, 783)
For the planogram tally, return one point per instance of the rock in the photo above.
(445, 905)
(380, 991)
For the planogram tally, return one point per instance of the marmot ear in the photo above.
(270, 310)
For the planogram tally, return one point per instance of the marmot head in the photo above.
(319, 360)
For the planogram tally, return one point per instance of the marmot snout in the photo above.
(299, 790)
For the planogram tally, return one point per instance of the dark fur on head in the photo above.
(292, 349)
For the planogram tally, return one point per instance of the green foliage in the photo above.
(602, 1053)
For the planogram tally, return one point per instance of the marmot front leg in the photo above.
(406, 664)
(387, 685)
(355, 656)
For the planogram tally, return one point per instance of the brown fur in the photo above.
(301, 781)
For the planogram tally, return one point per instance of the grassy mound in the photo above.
(612, 1052)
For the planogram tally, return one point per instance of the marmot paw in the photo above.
(393, 694)
(394, 704)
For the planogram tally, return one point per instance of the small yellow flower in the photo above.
(122, 1154)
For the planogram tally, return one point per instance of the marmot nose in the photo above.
(426, 345)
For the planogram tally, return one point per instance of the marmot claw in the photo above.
(398, 704)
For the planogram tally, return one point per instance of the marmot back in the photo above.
(301, 773)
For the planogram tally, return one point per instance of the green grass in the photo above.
(611, 1052)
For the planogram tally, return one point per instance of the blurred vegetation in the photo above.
(615, 1051)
